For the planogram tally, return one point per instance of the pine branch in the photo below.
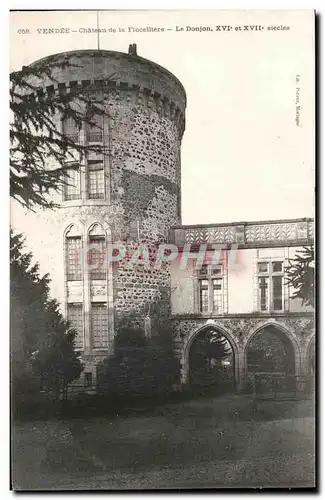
(300, 275)
(35, 138)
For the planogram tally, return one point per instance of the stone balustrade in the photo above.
(295, 232)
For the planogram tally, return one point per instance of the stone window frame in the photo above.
(71, 161)
(95, 166)
(83, 164)
(75, 167)
(66, 127)
(210, 277)
(270, 274)
(85, 287)
(73, 233)
(99, 228)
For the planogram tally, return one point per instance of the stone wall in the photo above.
(239, 330)
(104, 65)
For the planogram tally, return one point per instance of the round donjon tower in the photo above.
(129, 194)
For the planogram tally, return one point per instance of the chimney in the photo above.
(133, 49)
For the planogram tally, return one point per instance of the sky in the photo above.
(243, 155)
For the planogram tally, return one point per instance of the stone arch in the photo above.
(73, 230)
(97, 262)
(311, 341)
(190, 339)
(282, 328)
(96, 229)
(310, 352)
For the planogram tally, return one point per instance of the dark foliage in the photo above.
(206, 354)
(42, 343)
(39, 147)
(267, 352)
(138, 367)
(300, 275)
(210, 345)
(129, 338)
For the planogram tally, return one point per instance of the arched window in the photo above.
(97, 264)
(73, 252)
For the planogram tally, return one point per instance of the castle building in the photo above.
(243, 293)
(132, 195)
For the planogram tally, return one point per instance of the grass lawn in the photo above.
(202, 443)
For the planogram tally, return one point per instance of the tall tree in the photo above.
(42, 342)
(301, 275)
(56, 362)
(29, 293)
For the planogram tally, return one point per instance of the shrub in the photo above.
(137, 367)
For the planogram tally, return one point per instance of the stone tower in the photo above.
(129, 194)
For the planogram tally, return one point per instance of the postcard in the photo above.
(162, 171)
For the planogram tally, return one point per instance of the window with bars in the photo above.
(216, 270)
(277, 292)
(75, 317)
(270, 286)
(263, 286)
(277, 267)
(99, 324)
(95, 130)
(204, 295)
(71, 129)
(73, 258)
(97, 258)
(72, 183)
(217, 295)
(203, 271)
(211, 289)
(96, 179)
